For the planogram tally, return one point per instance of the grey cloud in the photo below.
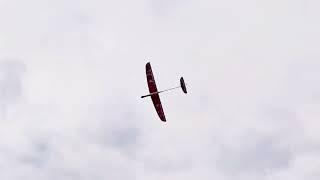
(11, 80)
(260, 156)
(38, 156)
(165, 8)
(11, 83)
(75, 112)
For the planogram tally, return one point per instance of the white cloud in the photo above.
(70, 106)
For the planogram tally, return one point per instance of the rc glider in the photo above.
(154, 93)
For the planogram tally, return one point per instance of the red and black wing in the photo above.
(152, 89)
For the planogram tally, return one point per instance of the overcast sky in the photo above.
(72, 73)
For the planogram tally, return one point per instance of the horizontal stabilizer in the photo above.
(183, 85)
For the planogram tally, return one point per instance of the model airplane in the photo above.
(154, 93)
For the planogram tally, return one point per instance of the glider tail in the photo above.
(182, 86)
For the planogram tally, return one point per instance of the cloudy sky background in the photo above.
(72, 73)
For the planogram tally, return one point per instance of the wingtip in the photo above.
(148, 65)
(164, 119)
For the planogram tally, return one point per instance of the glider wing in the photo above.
(152, 89)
